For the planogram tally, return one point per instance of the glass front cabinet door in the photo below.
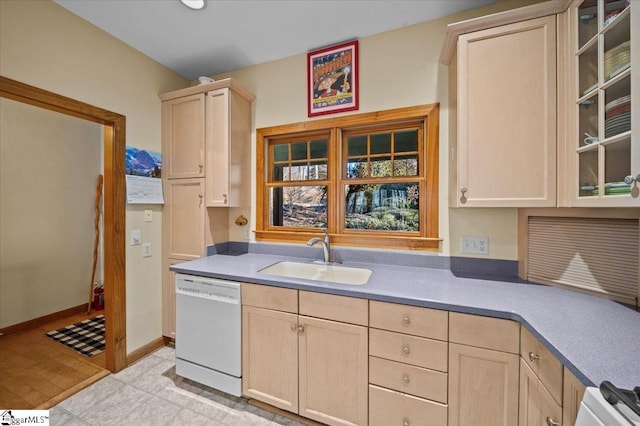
(603, 104)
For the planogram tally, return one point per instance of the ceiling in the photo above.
(232, 34)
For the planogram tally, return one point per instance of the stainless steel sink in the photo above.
(319, 272)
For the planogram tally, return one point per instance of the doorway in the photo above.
(113, 202)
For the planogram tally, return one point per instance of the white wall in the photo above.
(44, 45)
(398, 68)
(49, 165)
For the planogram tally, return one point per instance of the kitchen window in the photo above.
(371, 179)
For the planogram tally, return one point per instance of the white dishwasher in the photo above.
(208, 332)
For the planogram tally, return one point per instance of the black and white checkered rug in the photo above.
(86, 337)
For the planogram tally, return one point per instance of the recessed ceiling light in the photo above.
(193, 4)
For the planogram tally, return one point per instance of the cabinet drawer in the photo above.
(543, 363)
(407, 378)
(484, 332)
(387, 407)
(412, 350)
(263, 296)
(422, 322)
(337, 308)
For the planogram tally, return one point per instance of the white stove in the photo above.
(595, 410)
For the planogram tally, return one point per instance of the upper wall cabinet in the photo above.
(183, 127)
(602, 152)
(207, 133)
(506, 116)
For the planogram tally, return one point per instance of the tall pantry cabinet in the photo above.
(206, 140)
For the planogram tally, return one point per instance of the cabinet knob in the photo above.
(406, 350)
(301, 329)
(294, 327)
(200, 166)
(551, 422)
(463, 191)
(405, 422)
(225, 198)
(533, 356)
(406, 321)
(405, 380)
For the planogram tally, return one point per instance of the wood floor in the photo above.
(37, 372)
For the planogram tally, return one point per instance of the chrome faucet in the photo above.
(326, 245)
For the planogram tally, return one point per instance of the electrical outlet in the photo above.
(474, 245)
(246, 233)
(148, 215)
(146, 250)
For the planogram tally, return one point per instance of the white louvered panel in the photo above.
(596, 255)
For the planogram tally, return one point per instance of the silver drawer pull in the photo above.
(301, 329)
(406, 350)
(551, 422)
(406, 321)
(405, 380)
(533, 356)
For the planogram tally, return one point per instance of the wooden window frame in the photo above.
(425, 239)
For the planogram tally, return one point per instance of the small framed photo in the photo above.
(332, 79)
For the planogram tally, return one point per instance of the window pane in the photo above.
(318, 170)
(299, 206)
(278, 172)
(406, 141)
(392, 207)
(357, 168)
(405, 165)
(381, 167)
(318, 149)
(381, 143)
(357, 145)
(299, 151)
(281, 152)
(299, 172)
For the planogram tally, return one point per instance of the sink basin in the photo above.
(319, 272)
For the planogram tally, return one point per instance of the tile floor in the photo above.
(150, 393)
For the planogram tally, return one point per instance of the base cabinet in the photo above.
(314, 367)
(537, 406)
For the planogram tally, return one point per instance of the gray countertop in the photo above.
(595, 338)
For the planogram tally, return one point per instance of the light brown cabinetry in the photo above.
(407, 365)
(315, 367)
(483, 370)
(602, 149)
(572, 393)
(205, 141)
(506, 116)
(549, 393)
(183, 130)
(537, 406)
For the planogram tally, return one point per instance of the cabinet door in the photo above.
(270, 357)
(218, 155)
(537, 406)
(169, 299)
(483, 387)
(185, 218)
(183, 136)
(507, 116)
(572, 393)
(602, 154)
(333, 372)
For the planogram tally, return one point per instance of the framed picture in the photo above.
(332, 79)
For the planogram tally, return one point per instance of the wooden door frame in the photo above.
(113, 205)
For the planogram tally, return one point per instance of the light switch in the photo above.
(146, 250)
(136, 237)
(148, 215)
